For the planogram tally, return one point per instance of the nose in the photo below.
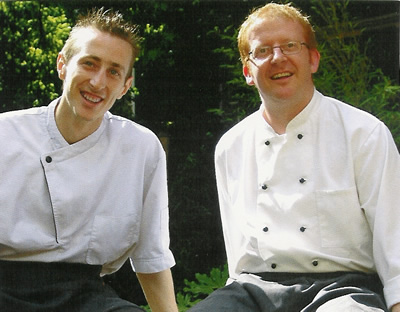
(98, 80)
(277, 55)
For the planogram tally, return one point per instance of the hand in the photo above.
(396, 307)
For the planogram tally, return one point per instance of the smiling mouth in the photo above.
(91, 98)
(281, 75)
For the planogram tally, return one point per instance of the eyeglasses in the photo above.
(264, 52)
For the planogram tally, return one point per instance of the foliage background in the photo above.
(189, 89)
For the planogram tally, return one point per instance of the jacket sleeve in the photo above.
(377, 166)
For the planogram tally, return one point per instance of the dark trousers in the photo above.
(281, 292)
(48, 287)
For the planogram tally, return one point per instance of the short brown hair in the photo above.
(106, 21)
(271, 11)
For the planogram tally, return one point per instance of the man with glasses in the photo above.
(308, 187)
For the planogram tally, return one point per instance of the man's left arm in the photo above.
(159, 290)
(377, 168)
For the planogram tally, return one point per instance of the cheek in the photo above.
(262, 73)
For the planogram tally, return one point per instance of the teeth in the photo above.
(91, 98)
(280, 75)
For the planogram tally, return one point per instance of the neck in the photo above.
(278, 114)
(73, 129)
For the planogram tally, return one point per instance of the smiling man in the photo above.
(94, 78)
(83, 190)
(307, 185)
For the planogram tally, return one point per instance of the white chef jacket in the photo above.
(98, 201)
(322, 197)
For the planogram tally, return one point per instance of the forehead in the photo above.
(274, 31)
(104, 46)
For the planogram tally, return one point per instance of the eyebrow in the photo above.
(113, 64)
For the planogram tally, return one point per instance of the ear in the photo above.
(61, 66)
(314, 60)
(127, 85)
(248, 76)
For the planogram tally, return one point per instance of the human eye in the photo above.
(291, 46)
(88, 63)
(263, 52)
(114, 72)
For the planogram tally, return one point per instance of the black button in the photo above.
(302, 180)
(315, 263)
(265, 229)
(264, 187)
(300, 136)
(49, 159)
(267, 142)
(273, 265)
(302, 229)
